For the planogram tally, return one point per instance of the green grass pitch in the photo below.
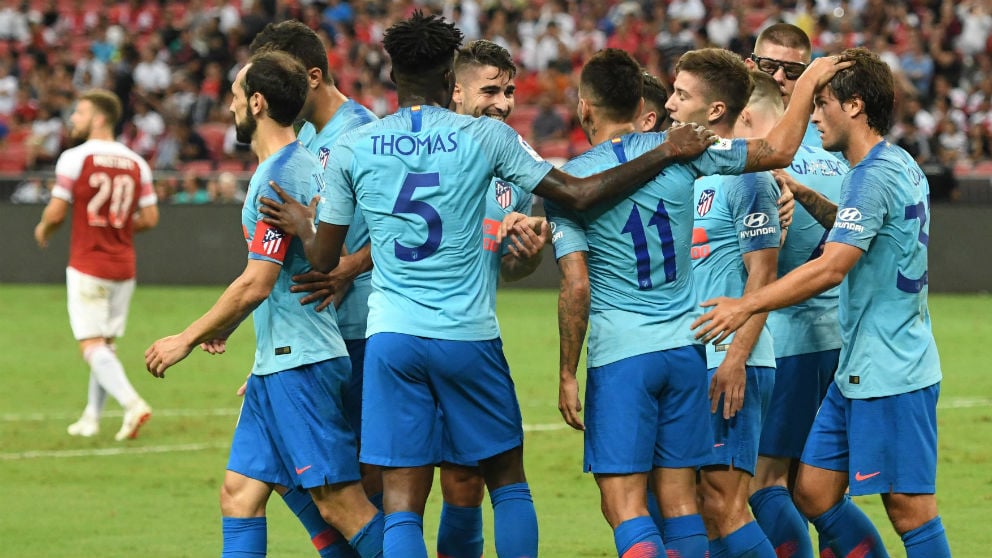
(157, 496)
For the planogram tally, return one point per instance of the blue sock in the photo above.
(749, 542)
(403, 536)
(655, 512)
(516, 521)
(367, 542)
(685, 536)
(785, 527)
(638, 538)
(244, 537)
(376, 500)
(718, 549)
(846, 528)
(460, 533)
(326, 539)
(927, 541)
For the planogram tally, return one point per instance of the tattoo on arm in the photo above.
(573, 310)
(821, 208)
(759, 152)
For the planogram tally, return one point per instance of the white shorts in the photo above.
(97, 307)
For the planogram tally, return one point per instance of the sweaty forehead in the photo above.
(783, 53)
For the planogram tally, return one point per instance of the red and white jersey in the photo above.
(106, 183)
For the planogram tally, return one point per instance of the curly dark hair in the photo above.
(421, 44)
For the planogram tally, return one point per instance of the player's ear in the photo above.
(855, 106)
(457, 94)
(314, 78)
(717, 110)
(256, 103)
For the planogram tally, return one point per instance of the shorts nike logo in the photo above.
(303, 470)
(719, 445)
(859, 477)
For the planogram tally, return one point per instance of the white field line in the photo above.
(948, 403)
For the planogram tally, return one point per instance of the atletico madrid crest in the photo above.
(322, 156)
(504, 194)
(705, 202)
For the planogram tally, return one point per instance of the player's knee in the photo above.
(237, 501)
(907, 512)
(463, 490)
(504, 469)
(808, 501)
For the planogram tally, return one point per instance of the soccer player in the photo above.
(327, 113)
(783, 51)
(735, 249)
(484, 86)
(420, 176)
(108, 189)
(634, 288)
(654, 116)
(293, 430)
(876, 431)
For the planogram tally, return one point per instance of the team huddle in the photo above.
(713, 426)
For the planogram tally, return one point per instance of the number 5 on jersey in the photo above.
(405, 204)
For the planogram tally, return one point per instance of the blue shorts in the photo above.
(353, 393)
(735, 441)
(292, 430)
(408, 378)
(648, 411)
(801, 382)
(886, 444)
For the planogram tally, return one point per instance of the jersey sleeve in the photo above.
(67, 170)
(861, 210)
(146, 192)
(337, 197)
(751, 199)
(523, 201)
(512, 158)
(267, 242)
(567, 233)
(727, 156)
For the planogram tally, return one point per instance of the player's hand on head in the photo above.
(823, 69)
(687, 141)
(569, 403)
(289, 215)
(726, 316)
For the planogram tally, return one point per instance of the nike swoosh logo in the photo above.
(303, 470)
(719, 445)
(859, 477)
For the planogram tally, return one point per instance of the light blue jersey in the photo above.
(642, 294)
(734, 215)
(810, 326)
(288, 334)
(420, 177)
(888, 346)
(502, 198)
(353, 312)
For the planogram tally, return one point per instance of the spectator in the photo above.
(8, 89)
(225, 189)
(917, 66)
(914, 142)
(180, 144)
(151, 75)
(147, 127)
(548, 124)
(191, 190)
(45, 141)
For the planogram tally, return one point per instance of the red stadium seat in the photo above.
(230, 165)
(203, 166)
(555, 148)
(213, 134)
(14, 158)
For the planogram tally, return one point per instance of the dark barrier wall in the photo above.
(197, 245)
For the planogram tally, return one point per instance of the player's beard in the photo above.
(245, 129)
(79, 135)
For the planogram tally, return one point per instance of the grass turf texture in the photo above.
(157, 496)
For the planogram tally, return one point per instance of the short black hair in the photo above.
(485, 53)
(282, 80)
(786, 35)
(297, 39)
(870, 80)
(421, 44)
(656, 96)
(724, 75)
(613, 82)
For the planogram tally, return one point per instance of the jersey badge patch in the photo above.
(705, 202)
(504, 194)
(322, 156)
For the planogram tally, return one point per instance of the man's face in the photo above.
(484, 90)
(688, 103)
(81, 121)
(830, 120)
(775, 56)
(244, 121)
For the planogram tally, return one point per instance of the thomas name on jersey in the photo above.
(401, 144)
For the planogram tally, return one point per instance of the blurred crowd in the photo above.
(173, 62)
